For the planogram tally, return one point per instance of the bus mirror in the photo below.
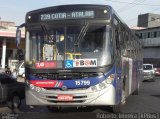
(18, 34)
(18, 37)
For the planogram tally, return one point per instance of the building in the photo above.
(148, 30)
(150, 38)
(149, 20)
(8, 50)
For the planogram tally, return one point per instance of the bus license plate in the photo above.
(65, 97)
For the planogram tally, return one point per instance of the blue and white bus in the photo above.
(80, 55)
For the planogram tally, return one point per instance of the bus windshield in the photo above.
(87, 41)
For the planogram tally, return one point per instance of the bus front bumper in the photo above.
(83, 97)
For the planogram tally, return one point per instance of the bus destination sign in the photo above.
(67, 15)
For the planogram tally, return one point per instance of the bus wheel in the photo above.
(54, 109)
(118, 108)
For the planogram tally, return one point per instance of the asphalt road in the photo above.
(148, 101)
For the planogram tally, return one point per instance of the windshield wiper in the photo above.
(46, 32)
(82, 34)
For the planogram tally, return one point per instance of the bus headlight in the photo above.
(43, 89)
(102, 85)
(38, 89)
(93, 88)
(32, 86)
(107, 82)
(110, 79)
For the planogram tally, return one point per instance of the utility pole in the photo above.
(0, 21)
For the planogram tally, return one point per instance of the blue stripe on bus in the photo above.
(72, 83)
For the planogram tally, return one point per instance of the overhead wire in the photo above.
(133, 3)
(126, 6)
(129, 6)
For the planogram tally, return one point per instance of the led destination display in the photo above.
(67, 15)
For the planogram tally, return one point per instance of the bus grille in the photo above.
(66, 76)
(77, 101)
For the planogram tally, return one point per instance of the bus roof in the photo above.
(71, 7)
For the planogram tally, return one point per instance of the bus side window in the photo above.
(124, 51)
(117, 39)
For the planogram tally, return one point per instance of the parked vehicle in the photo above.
(20, 70)
(11, 91)
(157, 71)
(148, 72)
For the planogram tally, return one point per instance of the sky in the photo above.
(128, 10)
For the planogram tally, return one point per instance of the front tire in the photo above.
(118, 108)
(14, 102)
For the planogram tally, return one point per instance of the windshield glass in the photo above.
(83, 44)
(147, 67)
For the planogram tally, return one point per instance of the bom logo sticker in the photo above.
(85, 63)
